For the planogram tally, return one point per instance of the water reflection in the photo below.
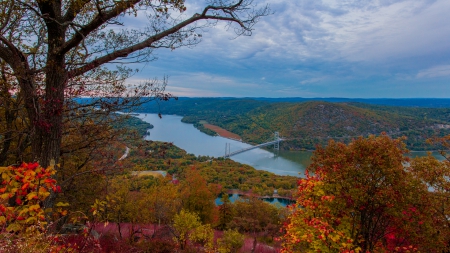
(274, 201)
(186, 136)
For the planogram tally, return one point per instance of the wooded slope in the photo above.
(306, 124)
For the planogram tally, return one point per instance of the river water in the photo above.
(186, 136)
(170, 129)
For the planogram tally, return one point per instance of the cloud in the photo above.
(205, 84)
(312, 80)
(190, 92)
(436, 71)
(357, 30)
(349, 48)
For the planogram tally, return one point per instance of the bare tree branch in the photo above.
(99, 20)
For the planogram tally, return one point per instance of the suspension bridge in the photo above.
(275, 142)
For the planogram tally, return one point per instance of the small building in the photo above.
(174, 179)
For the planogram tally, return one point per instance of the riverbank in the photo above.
(220, 131)
(249, 194)
(275, 199)
(170, 128)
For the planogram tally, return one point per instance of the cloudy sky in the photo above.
(319, 48)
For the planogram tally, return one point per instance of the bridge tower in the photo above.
(276, 145)
(227, 150)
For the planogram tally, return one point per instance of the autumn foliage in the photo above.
(363, 197)
(23, 220)
(25, 187)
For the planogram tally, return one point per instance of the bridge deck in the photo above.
(253, 147)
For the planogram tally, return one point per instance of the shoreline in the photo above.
(243, 193)
(140, 114)
(240, 140)
(220, 131)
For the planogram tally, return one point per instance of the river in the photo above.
(170, 129)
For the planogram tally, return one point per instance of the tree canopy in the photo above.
(363, 197)
(54, 51)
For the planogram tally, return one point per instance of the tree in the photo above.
(435, 175)
(253, 216)
(203, 235)
(12, 134)
(361, 198)
(226, 212)
(230, 242)
(163, 201)
(185, 223)
(56, 51)
(197, 196)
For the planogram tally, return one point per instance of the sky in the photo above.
(317, 48)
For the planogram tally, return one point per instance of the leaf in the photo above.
(23, 212)
(31, 195)
(42, 189)
(34, 207)
(62, 204)
(2, 220)
(31, 220)
(14, 227)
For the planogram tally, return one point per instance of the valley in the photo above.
(307, 124)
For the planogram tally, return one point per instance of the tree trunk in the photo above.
(254, 243)
(51, 126)
(8, 135)
(56, 77)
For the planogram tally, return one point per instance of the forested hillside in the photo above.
(305, 124)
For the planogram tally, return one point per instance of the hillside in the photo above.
(306, 124)
(310, 123)
(441, 114)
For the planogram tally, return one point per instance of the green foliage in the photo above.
(205, 130)
(204, 235)
(226, 213)
(131, 123)
(254, 216)
(184, 224)
(307, 124)
(149, 155)
(163, 201)
(230, 242)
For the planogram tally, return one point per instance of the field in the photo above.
(149, 173)
(222, 132)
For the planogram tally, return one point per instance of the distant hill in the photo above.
(308, 123)
(406, 102)
(311, 123)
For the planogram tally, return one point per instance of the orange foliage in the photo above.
(363, 198)
(28, 185)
